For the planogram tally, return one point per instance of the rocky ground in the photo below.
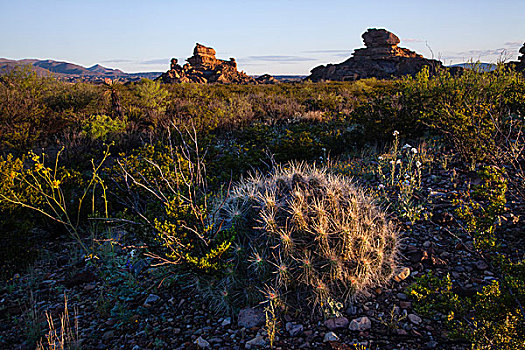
(146, 307)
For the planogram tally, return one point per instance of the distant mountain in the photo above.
(74, 72)
(97, 68)
(480, 66)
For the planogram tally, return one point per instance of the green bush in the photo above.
(102, 127)
(490, 320)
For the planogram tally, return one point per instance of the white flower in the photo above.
(406, 146)
(399, 161)
(395, 133)
(381, 186)
(414, 150)
(380, 158)
(418, 163)
(392, 162)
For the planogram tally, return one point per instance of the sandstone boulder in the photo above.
(381, 58)
(520, 64)
(379, 37)
(204, 68)
(266, 79)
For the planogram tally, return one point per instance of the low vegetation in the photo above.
(298, 196)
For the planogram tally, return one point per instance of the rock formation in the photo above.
(204, 68)
(521, 64)
(381, 58)
(266, 79)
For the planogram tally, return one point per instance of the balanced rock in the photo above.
(203, 68)
(381, 58)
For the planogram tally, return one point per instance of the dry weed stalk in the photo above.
(66, 337)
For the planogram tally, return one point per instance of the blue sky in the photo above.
(265, 36)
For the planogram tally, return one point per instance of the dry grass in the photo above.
(66, 337)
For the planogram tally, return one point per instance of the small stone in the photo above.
(336, 323)
(294, 329)
(401, 296)
(415, 319)
(108, 334)
(401, 331)
(405, 304)
(330, 336)
(360, 324)
(201, 343)
(352, 310)
(226, 322)
(402, 274)
(481, 265)
(89, 287)
(151, 299)
(431, 344)
(251, 317)
(258, 341)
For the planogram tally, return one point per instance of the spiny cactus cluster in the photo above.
(305, 237)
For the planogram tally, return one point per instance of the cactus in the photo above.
(309, 235)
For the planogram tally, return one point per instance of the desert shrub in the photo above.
(74, 101)
(21, 110)
(15, 223)
(147, 102)
(304, 237)
(481, 210)
(493, 318)
(165, 189)
(489, 320)
(468, 109)
(102, 127)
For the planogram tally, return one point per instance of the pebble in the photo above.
(405, 304)
(258, 341)
(351, 310)
(415, 319)
(151, 299)
(226, 322)
(360, 324)
(251, 317)
(108, 334)
(481, 265)
(401, 296)
(431, 345)
(294, 329)
(336, 323)
(330, 336)
(201, 343)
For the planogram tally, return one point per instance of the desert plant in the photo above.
(102, 127)
(310, 235)
(40, 189)
(65, 338)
